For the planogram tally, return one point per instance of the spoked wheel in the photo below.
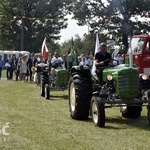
(72, 97)
(47, 91)
(98, 112)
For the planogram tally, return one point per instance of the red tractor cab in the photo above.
(140, 49)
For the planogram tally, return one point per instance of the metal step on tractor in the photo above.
(123, 87)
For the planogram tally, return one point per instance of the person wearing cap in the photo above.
(100, 63)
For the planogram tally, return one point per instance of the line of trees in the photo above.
(42, 18)
(114, 19)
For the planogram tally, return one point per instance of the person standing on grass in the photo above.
(9, 67)
(1, 66)
(14, 65)
(30, 64)
(38, 70)
(17, 66)
(23, 67)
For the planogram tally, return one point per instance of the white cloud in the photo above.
(72, 30)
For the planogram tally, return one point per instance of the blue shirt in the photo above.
(56, 60)
(2, 63)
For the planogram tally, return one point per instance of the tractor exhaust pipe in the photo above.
(130, 53)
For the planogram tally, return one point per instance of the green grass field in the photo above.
(35, 123)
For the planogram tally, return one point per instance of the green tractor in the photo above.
(121, 88)
(58, 81)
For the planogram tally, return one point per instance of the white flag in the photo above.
(97, 49)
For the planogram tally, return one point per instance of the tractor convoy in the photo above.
(126, 86)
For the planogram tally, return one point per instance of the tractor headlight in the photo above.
(144, 76)
(109, 77)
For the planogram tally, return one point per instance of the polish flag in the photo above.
(44, 50)
(97, 49)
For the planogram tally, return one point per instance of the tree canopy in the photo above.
(31, 21)
(39, 18)
(116, 18)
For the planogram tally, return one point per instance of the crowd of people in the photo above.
(24, 67)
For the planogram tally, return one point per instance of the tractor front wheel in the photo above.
(98, 112)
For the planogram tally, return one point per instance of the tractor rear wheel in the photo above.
(80, 93)
(148, 114)
(98, 112)
(131, 111)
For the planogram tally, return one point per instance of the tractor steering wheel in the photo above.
(111, 62)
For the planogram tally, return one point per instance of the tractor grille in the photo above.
(128, 82)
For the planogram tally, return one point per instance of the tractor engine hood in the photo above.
(126, 80)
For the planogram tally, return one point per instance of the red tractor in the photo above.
(139, 57)
(140, 49)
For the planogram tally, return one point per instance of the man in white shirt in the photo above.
(56, 61)
(86, 62)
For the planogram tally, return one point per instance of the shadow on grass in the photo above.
(89, 120)
(140, 122)
(120, 123)
(56, 97)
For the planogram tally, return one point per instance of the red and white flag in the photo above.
(97, 49)
(44, 50)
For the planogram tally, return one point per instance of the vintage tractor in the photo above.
(59, 80)
(121, 88)
(45, 86)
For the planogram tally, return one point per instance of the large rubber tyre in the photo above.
(47, 91)
(43, 90)
(98, 112)
(148, 114)
(80, 94)
(132, 112)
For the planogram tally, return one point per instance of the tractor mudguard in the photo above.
(81, 69)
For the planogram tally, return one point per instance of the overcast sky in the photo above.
(72, 30)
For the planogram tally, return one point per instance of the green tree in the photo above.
(118, 18)
(41, 18)
(83, 45)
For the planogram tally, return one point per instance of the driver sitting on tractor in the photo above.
(56, 62)
(100, 61)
